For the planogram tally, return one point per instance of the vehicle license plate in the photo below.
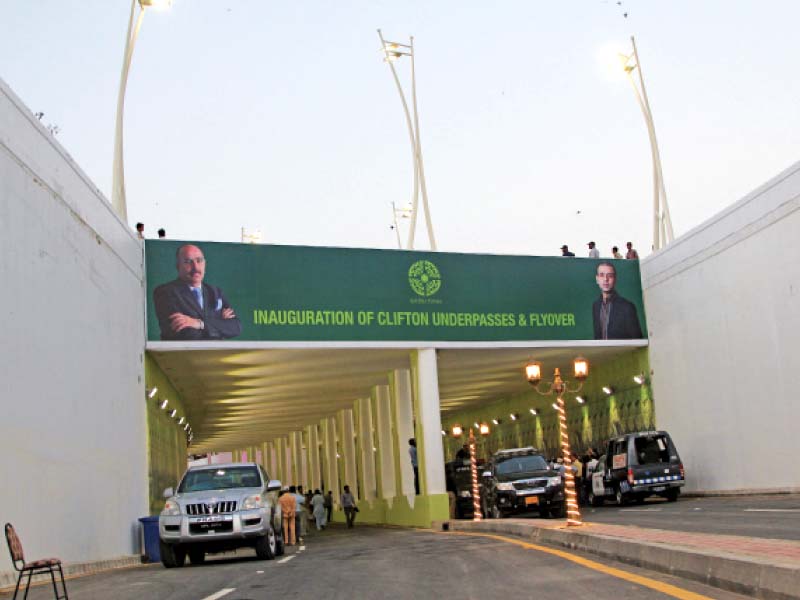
(660, 488)
(531, 500)
(214, 519)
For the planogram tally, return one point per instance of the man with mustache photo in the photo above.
(189, 309)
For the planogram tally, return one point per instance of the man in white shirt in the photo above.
(593, 251)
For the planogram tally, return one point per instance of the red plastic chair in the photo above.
(37, 567)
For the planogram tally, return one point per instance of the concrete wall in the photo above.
(723, 309)
(72, 432)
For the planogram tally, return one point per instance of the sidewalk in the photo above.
(757, 567)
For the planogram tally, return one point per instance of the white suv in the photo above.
(219, 508)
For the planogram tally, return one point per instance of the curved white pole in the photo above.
(118, 170)
(428, 223)
(415, 198)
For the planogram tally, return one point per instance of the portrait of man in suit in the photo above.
(615, 318)
(190, 309)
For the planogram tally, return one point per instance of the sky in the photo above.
(282, 116)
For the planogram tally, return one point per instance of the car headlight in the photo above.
(252, 502)
(171, 509)
(465, 494)
(554, 481)
(506, 486)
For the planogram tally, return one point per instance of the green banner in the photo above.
(223, 291)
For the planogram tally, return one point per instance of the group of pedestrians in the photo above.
(300, 510)
(631, 254)
(582, 469)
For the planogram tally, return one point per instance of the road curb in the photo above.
(8, 579)
(757, 578)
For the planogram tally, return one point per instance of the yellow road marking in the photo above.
(653, 584)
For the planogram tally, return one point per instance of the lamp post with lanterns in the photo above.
(457, 432)
(393, 51)
(559, 387)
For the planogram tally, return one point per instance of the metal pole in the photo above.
(420, 167)
(473, 469)
(573, 511)
(415, 197)
(396, 226)
(118, 200)
(663, 212)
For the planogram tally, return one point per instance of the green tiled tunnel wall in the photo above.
(166, 440)
(629, 408)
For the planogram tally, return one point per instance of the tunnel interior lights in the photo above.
(581, 366)
(444, 432)
(608, 390)
(163, 404)
(534, 412)
(555, 406)
(172, 413)
(640, 379)
(186, 427)
(484, 429)
(181, 420)
(580, 399)
(497, 421)
(151, 394)
(476, 425)
(457, 431)
(533, 372)
(514, 416)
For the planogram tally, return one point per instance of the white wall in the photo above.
(72, 433)
(723, 309)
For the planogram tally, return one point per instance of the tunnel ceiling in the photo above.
(239, 398)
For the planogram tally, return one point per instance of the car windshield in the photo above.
(651, 450)
(521, 464)
(220, 479)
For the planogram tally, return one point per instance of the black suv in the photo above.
(638, 465)
(520, 480)
(458, 476)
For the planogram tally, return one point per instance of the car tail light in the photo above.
(630, 475)
(683, 475)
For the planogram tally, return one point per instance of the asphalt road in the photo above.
(775, 516)
(368, 562)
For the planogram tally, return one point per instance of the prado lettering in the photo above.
(301, 293)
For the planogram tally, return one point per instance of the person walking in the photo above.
(565, 251)
(288, 504)
(349, 506)
(593, 251)
(318, 509)
(298, 515)
(412, 453)
(615, 252)
(162, 233)
(328, 506)
(631, 254)
(140, 231)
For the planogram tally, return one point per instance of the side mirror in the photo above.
(274, 485)
(169, 492)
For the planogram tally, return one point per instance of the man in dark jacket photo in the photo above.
(189, 309)
(615, 318)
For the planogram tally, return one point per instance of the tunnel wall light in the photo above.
(173, 412)
(608, 390)
(640, 378)
(181, 420)
(163, 404)
(534, 412)
(484, 429)
(580, 399)
(151, 394)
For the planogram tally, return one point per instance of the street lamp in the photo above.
(662, 223)
(393, 51)
(118, 169)
(559, 387)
